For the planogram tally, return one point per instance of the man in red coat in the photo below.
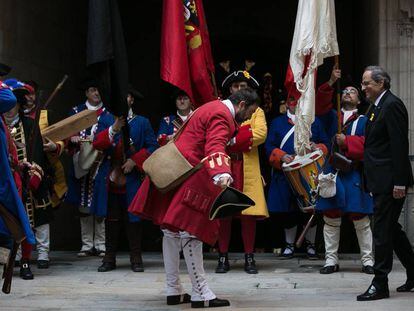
(183, 212)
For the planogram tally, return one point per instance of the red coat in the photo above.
(186, 208)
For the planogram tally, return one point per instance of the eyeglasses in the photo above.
(349, 91)
(366, 83)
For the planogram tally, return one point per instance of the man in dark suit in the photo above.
(388, 175)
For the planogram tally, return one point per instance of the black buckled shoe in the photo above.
(373, 293)
(43, 264)
(25, 272)
(213, 303)
(329, 269)
(407, 287)
(288, 252)
(107, 266)
(223, 264)
(311, 251)
(250, 264)
(137, 267)
(178, 299)
(368, 270)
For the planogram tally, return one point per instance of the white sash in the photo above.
(288, 134)
(354, 126)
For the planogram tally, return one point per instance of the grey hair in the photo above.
(378, 74)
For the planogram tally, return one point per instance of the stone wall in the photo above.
(396, 55)
(43, 40)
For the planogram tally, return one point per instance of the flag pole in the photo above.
(338, 97)
(213, 81)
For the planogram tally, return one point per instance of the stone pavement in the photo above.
(74, 284)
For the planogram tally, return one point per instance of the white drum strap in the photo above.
(354, 126)
(285, 139)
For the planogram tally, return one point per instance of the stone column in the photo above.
(396, 55)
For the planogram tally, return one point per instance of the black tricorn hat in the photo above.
(229, 202)
(134, 93)
(240, 76)
(4, 70)
(88, 82)
(178, 92)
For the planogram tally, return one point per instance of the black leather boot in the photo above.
(107, 266)
(250, 264)
(25, 272)
(223, 265)
(134, 233)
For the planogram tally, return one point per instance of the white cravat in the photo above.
(348, 114)
(229, 105)
(92, 107)
(291, 116)
(184, 118)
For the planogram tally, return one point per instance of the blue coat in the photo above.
(281, 198)
(75, 195)
(166, 125)
(350, 197)
(9, 196)
(142, 136)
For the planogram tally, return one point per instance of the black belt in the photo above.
(236, 156)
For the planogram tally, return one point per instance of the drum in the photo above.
(302, 174)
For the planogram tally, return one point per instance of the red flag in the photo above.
(186, 60)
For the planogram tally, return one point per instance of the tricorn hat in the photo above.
(178, 92)
(19, 89)
(134, 93)
(229, 202)
(88, 82)
(240, 76)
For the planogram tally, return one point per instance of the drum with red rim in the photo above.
(302, 174)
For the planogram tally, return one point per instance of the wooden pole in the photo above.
(213, 81)
(338, 97)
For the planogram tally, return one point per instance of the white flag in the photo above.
(314, 38)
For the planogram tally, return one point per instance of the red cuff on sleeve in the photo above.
(323, 148)
(355, 147)
(217, 163)
(162, 139)
(275, 158)
(102, 140)
(34, 182)
(244, 140)
(139, 158)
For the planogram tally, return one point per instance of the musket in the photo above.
(18, 236)
(35, 128)
(301, 238)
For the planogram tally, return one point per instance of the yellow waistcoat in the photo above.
(253, 182)
(59, 185)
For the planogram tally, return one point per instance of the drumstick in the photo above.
(301, 238)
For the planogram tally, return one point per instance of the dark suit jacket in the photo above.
(386, 161)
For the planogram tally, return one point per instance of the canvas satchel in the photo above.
(167, 167)
(327, 185)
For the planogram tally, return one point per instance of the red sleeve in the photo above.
(139, 157)
(323, 101)
(354, 147)
(35, 181)
(323, 147)
(244, 140)
(102, 140)
(275, 158)
(162, 139)
(218, 133)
